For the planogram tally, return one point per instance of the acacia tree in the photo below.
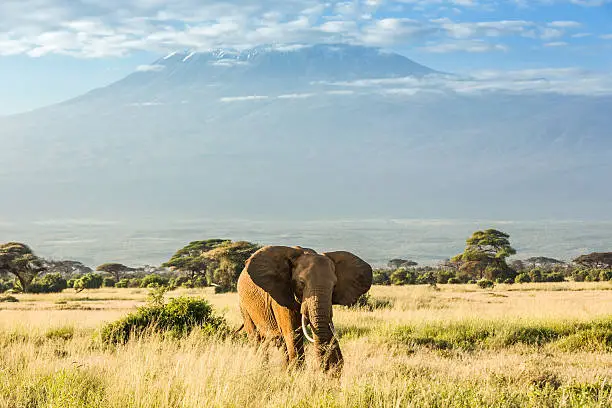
(66, 268)
(18, 259)
(401, 263)
(485, 255)
(595, 260)
(117, 270)
(190, 260)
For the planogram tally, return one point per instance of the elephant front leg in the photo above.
(290, 326)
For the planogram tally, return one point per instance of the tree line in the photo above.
(213, 262)
(218, 263)
(485, 261)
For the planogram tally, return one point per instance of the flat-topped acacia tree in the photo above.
(190, 260)
(595, 260)
(19, 260)
(485, 255)
(117, 270)
(219, 260)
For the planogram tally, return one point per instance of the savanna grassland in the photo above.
(530, 345)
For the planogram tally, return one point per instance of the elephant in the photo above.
(282, 290)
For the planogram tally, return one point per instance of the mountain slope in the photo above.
(269, 132)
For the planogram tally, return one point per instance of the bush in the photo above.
(8, 299)
(88, 281)
(370, 303)
(381, 277)
(178, 281)
(109, 282)
(6, 285)
(178, 318)
(485, 283)
(49, 283)
(454, 281)
(70, 283)
(605, 275)
(554, 277)
(536, 275)
(123, 283)
(523, 278)
(134, 283)
(201, 282)
(444, 275)
(153, 280)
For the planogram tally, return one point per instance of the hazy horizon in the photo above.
(425, 241)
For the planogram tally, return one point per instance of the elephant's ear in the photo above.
(270, 268)
(354, 277)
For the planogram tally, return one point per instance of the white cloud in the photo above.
(570, 81)
(296, 96)
(565, 24)
(607, 36)
(471, 46)
(243, 98)
(556, 44)
(96, 28)
(149, 68)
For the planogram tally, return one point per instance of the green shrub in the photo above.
(70, 283)
(381, 277)
(8, 299)
(485, 284)
(153, 280)
(367, 302)
(88, 281)
(579, 275)
(605, 275)
(554, 277)
(523, 278)
(49, 283)
(6, 285)
(454, 281)
(178, 318)
(536, 275)
(109, 282)
(134, 283)
(60, 333)
(509, 281)
(123, 283)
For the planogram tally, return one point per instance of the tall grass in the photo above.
(449, 348)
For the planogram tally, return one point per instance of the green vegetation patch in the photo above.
(178, 317)
(470, 336)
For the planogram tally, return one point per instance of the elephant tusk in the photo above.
(333, 329)
(310, 339)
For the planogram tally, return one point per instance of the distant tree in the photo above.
(18, 259)
(543, 262)
(190, 260)
(66, 268)
(597, 260)
(116, 270)
(485, 255)
(401, 263)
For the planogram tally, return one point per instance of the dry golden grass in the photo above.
(417, 351)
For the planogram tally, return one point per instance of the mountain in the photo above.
(326, 131)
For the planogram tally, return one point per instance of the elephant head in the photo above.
(308, 282)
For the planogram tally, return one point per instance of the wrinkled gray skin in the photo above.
(280, 284)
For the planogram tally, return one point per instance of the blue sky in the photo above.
(51, 50)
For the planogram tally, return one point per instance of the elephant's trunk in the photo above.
(319, 314)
